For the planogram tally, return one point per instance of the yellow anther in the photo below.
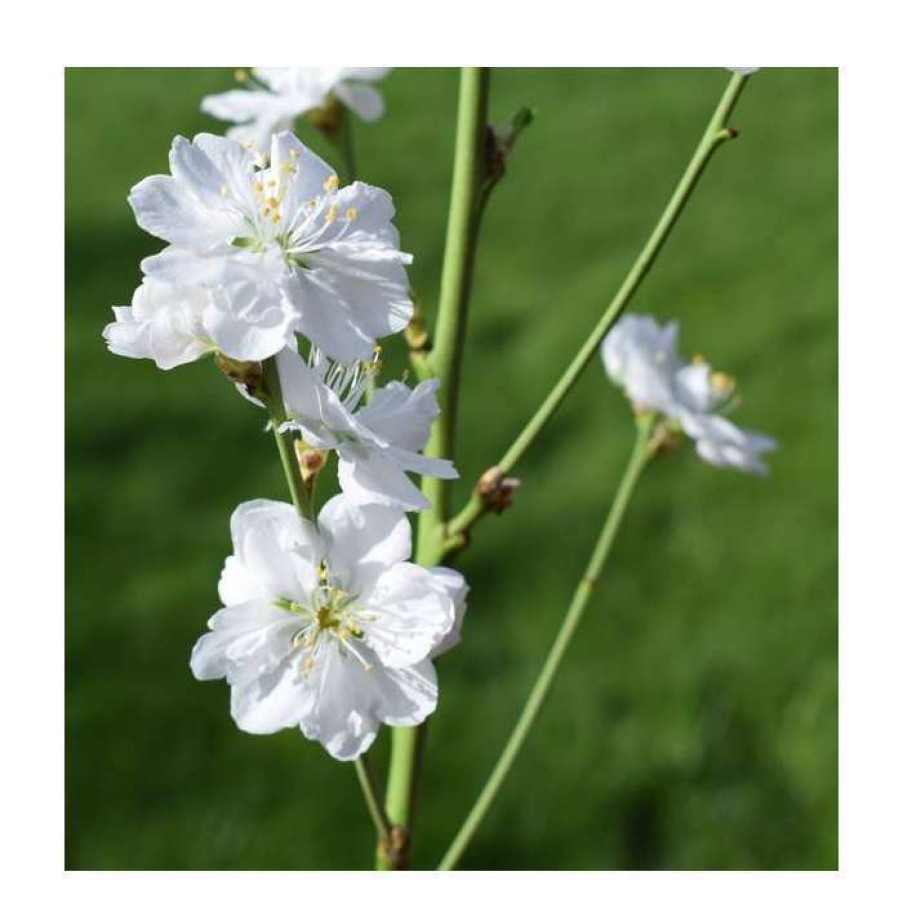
(273, 202)
(698, 359)
(332, 213)
(241, 75)
(351, 214)
(723, 383)
(225, 190)
(258, 187)
(271, 183)
(288, 169)
(277, 218)
(293, 153)
(331, 183)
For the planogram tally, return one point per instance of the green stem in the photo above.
(302, 494)
(371, 796)
(457, 273)
(543, 684)
(716, 133)
(445, 361)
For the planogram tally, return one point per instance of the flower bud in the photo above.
(311, 460)
(496, 490)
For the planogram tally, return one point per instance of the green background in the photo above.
(694, 724)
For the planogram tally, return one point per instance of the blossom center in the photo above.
(331, 615)
(279, 219)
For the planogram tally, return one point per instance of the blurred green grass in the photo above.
(694, 725)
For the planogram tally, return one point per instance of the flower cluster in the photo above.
(326, 626)
(641, 356)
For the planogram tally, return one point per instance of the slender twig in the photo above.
(566, 632)
(445, 362)
(716, 133)
(302, 494)
(372, 797)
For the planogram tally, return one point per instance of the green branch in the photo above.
(445, 361)
(716, 133)
(531, 710)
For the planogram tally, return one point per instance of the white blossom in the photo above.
(283, 248)
(376, 443)
(277, 96)
(328, 627)
(641, 356)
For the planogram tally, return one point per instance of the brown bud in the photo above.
(496, 490)
(310, 460)
(248, 373)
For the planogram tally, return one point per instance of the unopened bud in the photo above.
(311, 460)
(496, 490)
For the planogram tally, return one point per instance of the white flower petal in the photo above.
(342, 716)
(274, 701)
(367, 477)
(168, 210)
(364, 100)
(407, 614)
(363, 542)
(325, 318)
(164, 324)
(263, 533)
(408, 696)
(403, 416)
(241, 106)
(239, 584)
(456, 587)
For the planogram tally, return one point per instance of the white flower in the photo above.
(286, 93)
(641, 356)
(283, 248)
(328, 628)
(175, 325)
(376, 443)
(743, 70)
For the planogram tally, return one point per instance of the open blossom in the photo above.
(375, 443)
(282, 248)
(328, 628)
(288, 92)
(641, 356)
